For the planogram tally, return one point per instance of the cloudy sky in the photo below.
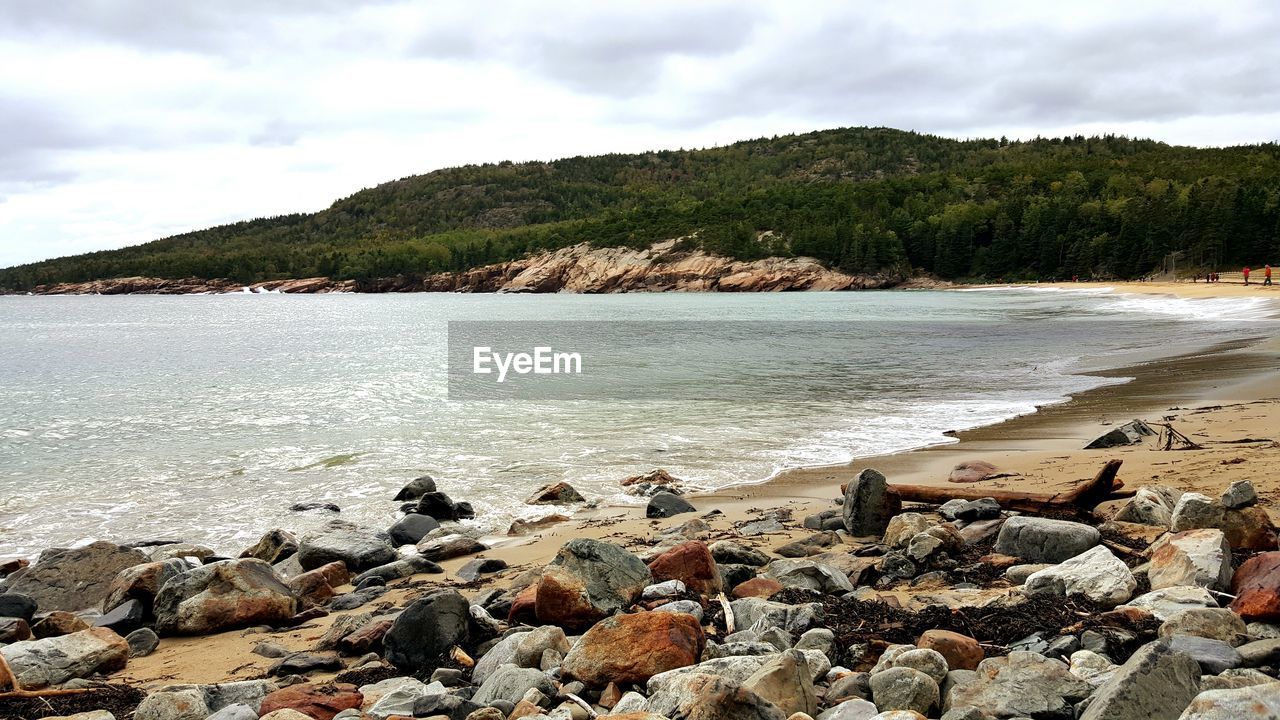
(126, 120)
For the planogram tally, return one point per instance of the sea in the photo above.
(205, 418)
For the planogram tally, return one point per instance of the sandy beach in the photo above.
(1227, 399)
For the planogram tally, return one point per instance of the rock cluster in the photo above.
(965, 612)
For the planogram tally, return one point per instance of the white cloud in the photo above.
(121, 122)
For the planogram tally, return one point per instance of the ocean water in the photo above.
(206, 417)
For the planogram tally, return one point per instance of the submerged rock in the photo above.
(416, 488)
(560, 493)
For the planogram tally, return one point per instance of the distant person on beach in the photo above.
(1246, 276)
(1266, 275)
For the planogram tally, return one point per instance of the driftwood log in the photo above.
(1082, 498)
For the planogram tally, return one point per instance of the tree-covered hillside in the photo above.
(858, 199)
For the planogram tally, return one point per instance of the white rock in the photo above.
(1166, 602)
(1096, 574)
(1193, 557)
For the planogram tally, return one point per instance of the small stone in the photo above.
(961, 652)
(903, 688)
(142, 642)
(1240, 495)
(1217, 623)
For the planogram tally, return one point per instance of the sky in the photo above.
(122, 121)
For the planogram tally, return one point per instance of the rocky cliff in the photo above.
(663, 267)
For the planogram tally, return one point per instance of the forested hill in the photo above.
(858, 199)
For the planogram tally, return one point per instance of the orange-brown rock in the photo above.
(1249, 528)
(58, 623)
(142, 582)
(1257, 588)
(366, 639)
(690, 563)
(634, 648)
(759, 587)
(524, 607)
(961, 651)
(314, 587)
(587, 581)
(321, 702)
(223, 595)
(610, 696)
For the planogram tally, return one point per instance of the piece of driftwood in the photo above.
(1084, 497)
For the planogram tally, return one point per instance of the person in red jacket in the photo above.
(1246, 276)
(1266, 275)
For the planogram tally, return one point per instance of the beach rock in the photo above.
(438, 505)
(971, 510)
(587, 581)
(634, 648)
(794, 619)
(510, 683)
(1217, 623)
(1091, 667)
(972, 471)
(786, 682)
(1258, 702)
(690, 563)
(1157, 682)
(704, 697)
(869, 504)
(734, 554)
(313, 587)
(221, 596)
(439, 706)
(142, 642)
(664, 505)
(426, 629)
(809, 575)
(528, 527)
(904, 688)
(74, 579)
(1018, 574)
(449, 547)
(275, 546)
(181, 551)
(320, 702)
(16, 605)
(502, 653)
(1260, 652)
(1130, 433)
(904, 526)
(1195, 511)
(179, 703)
(856, 709)
(560, 493)
(1256, 586)
(763, 526)
(407, 567)
(474, 569)
(664, 589)
(814, 544)
(759, 587)
(1148, 507)
(410, 529)
(1213, 656)
(1041, 540)
(142, 582)
(1096, 574)
(357, 547)
(532, 645)
(416, 488)
(52, 661)
(1022, 684)
(1240, 495)
(123, 619)
(960, 651)
(1194, 557)
(1249, 528)
(930, 662)
(1165, 602)
(57, 624)
(14, 630)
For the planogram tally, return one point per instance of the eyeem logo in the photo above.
(543, 361)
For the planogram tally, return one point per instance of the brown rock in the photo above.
(1257, 588)
(524, 607)
(634, 648)
(74, 579)
(691, 563)
(999, 561)
(14, 630)
(961, 651)
(8, 566)
(224, 595)
(560, 493)
(760, 587)
(365, 640)
(524, 709)
(58, 623)
(314, 587)
(587, 581)
(1249, 528)
(142, 582)
(528, 527)
(972, 471)
(610, 696)
(321, 702)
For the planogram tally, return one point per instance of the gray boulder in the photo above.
(502, 653)
(400, 569)
(794, 619)
(1194, 511)
(1257, 702)
(1191, 557)
(809, 575)
(180, 703)
(904, 688)
(449, 547)
(1156, 683)
(665, 505)
(357, 547)
(510, 683)
(416, 488)
(1096, 574)
(1022, 684)
(1041, 540)
(1166, 602)
(1213, 656)
(410, 529)
(869, 504)
(710, 698)
(74, 579)
(589, 580)
(1240, 495)
(732, 553)
(52, 661)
